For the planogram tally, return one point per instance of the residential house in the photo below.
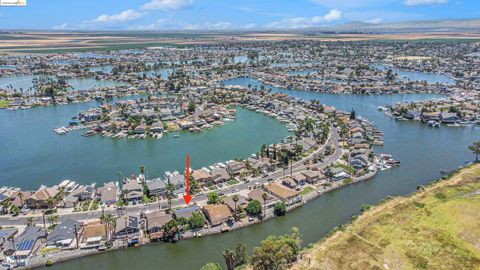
(108, 193)
(313, 177)
(186, 212)
(156, 187)
(217, 214)
(127, 227)
(93, 234)
(154, 223)
(133, 190)
(219, 175)
(202, 176)
(64, 234)
(6, 235)
(241, 203)
(257, 194)
(39, 198)
(27, 243)
(283, 193)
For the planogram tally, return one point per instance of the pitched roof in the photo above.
(217, 213)
(281, 191)
(158, 219)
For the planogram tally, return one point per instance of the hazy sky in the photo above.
(224, 14)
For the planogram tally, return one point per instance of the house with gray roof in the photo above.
(64, 234)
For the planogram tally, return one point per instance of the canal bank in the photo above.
(422, 151)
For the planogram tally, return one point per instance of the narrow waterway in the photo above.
(423, 152)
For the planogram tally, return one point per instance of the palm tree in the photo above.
(50, 201)
(170, 195)
(264, 197)
(235, 199)
(229, 256)
(29, 221)
(6, 204)
(21, 197)
(52, 219)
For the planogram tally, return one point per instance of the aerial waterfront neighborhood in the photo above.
(188, 142)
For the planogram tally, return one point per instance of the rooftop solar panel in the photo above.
(25, 245)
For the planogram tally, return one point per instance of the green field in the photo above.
(4, 104)
(438, 227)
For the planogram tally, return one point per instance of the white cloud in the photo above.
(166, 4)
(374, 20)
(250, 26)
(172, 24)
(332, 15)
(347, 4)
(424, 2)
(125, 16)
(62, 26)
(304, 22)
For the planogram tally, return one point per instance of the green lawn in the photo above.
(4, 104)
(306, 190)
(435, 228)
(232, 182)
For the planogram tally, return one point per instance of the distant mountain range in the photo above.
(453, 25)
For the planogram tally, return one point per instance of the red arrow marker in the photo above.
(187, 196)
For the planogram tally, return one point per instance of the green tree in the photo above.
(280, 209)
(475, 148)
(196, 221)
(170, 195)
(211, 266)
(213, 198)
(277, 252)
(29, 221)
(235, 199)
(229, 256)
(254, 208)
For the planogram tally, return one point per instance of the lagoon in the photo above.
(25, 82)
(32, 154)
(404, 75)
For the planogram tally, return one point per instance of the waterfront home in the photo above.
(133, 190)
(290, 182)
(202, 176)
(156, 187)
(64, 234)
(313, 177)
(140, 129)
(257, 195)
(154, 223)
(217, 214)
(338, 174)
(127, 227)
(430, 116)
(39, 198)
(449, 118)
(185, 212)
(93, 234)
(236, 167)
(283, 193)
(156, 127)
(241, 203)
(6, 235)
(176, 179)
(79, 194)
(299, 178)
(18, 198)
(26, 244)
(219, 175)
(108, 193)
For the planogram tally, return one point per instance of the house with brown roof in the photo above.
(313, 177)
(154, 222)
(93, 234)
(202, 176)
(283, 193)
(39, 198)
(257, 194)
(241, 203)
(217, 214)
